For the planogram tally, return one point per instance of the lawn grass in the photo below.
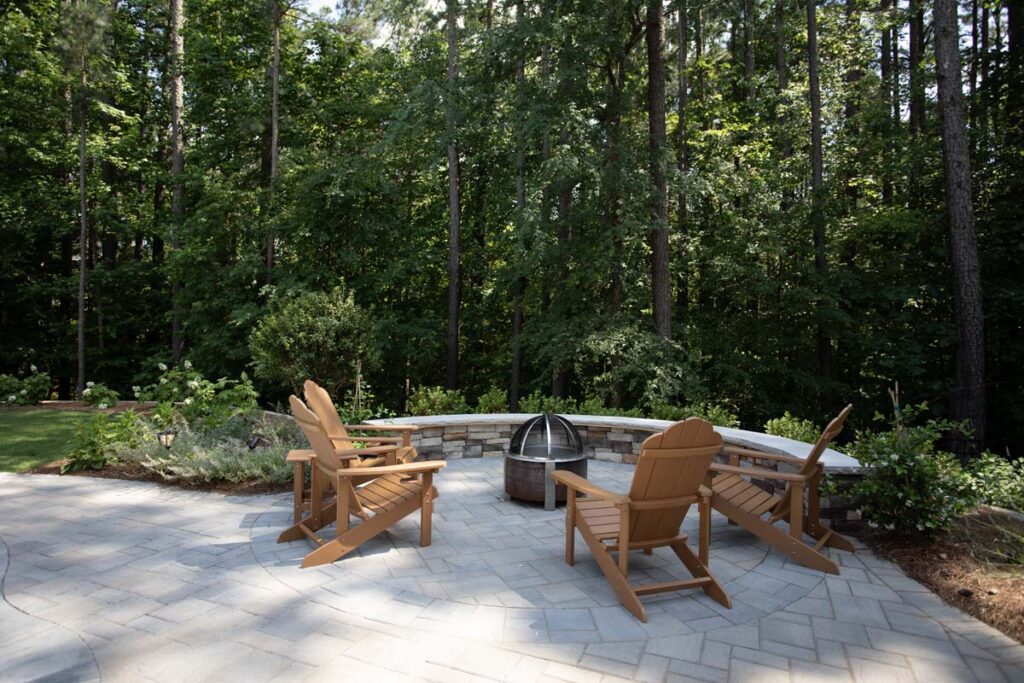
(34, 436)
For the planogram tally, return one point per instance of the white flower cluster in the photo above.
(162, 367)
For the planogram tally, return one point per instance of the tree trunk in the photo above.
(818, 190)
(660, 287)
(454, 252)
(851, 107)
(969, 397)
(1015, 68)
(885, 59)
(83, 222)
(917, 94)
(682, 298)
(276, 17)
(175, 63)
(748, 48)
(520, 282)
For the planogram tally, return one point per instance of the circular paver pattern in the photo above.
(496, 570)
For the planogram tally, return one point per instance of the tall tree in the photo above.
(520, 280)
(915, 60)
(818, 189)
(660, 286)
(454, 249)
(175, 64)
(969, 396)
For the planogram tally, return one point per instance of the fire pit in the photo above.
(540, 446)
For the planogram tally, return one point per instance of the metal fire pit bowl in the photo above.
(540, 446)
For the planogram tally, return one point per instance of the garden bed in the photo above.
(976, 566)
(132, 472)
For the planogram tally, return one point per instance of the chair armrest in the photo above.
(369, 450)
(704, 491)
(408, 468)
(761, 455)
(300, 455)
(369, 439)
(578, 483)
(758, 472)
(384, 428)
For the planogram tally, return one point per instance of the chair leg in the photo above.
(616, 578)
(698, 569)
(704, 537)
(570, 527)
(426, 507)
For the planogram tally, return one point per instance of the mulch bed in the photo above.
(976, 566)
(139, 473)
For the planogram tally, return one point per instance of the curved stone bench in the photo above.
(614, 439)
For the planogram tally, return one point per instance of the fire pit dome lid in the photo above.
(546, 437)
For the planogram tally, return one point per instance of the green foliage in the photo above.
(792, 427)
(92, 446)
(437, 401)
(357, 407)
(537, 402)
(24, 392)
(323, 336)
(494, 400)
(99, 396)
(719, 414)
(998, 481)
(910, 486)
(185, 390)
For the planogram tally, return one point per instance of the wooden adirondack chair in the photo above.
(666, 483)
(393, 491)
(385, 450)
(746, 503)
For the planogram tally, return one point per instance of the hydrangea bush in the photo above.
(792, 427)
(99, 396)
(27, 391)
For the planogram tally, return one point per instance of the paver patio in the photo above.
(117, 580)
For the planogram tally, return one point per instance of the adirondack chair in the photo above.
(746, 503)
(385, 450)
(392, 492)
(666, 483)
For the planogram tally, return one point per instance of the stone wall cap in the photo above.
(833, 460)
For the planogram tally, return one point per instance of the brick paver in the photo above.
(113, 580)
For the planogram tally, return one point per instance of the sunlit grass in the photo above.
(34, 437)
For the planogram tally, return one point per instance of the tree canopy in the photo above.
(727, 202)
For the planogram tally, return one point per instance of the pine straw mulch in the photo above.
(129, 472)
(977, 565)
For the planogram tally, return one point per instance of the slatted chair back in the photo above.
(320, 403)
(311, 426)
(671, 468)
(827, 435)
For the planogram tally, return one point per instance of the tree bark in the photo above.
(969, 396)
(660, 287)
(682, 298)
(1015, 68)
(83, 219)
(274, 75)
(885, 59)
(917, 94)
(175, 64)
(818, 190)
(748, 48)
(454, 250)
(520, 281)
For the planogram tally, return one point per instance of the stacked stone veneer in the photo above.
(492, 440)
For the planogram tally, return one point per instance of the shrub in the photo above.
(998, 481)
(185, 390)
(323, 336)
(24, 392)
(437, 401)
(539, 403)
(494, 400)
(219, 454)
(718, 414)
(99, 396)
(792, 427)
(355, 408)
(910, 486)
